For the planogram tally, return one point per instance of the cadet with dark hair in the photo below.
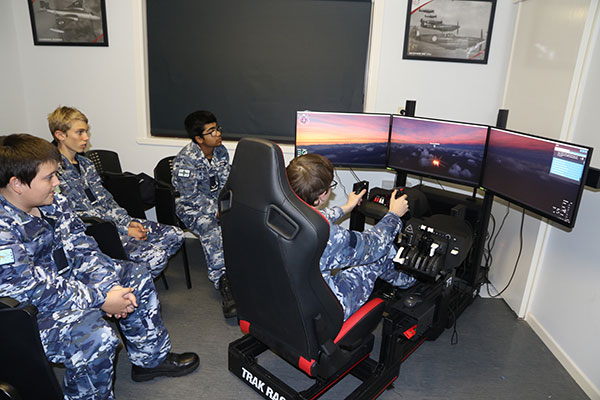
(143, 240)
(352, 261)
(200, 170)
(47, 260)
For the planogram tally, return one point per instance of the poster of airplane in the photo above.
(68, 22)
(449, 30)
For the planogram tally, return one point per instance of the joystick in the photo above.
(359, 186)
(399, 192)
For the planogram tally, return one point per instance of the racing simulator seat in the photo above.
(273, 242)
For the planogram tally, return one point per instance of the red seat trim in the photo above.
(245, 326)
(356, 317)
(305, 365)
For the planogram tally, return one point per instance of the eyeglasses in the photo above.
(213, 131)
(333, 184)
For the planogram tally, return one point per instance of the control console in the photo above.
(431, 246)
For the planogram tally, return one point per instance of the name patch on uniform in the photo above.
(185, 173)
(7, 257)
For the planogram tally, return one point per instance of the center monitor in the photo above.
(543, 175)
(451, 151)
(346, 139)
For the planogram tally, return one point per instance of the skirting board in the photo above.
(586, 385)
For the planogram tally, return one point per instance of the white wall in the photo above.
(542, 67)
(12, 100)
(103, 82)
(543, 63)
(552, 90)
(565, 306)
(456, 91)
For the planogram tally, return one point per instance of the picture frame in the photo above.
(449, 30)
(68, 22)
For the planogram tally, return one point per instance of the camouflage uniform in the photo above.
(199, 181)
(352, 261)
(50, 262)
(162, 240)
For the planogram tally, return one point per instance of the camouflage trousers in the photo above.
(162, 242)
(85, 343)
(353, 285)
(209, 232)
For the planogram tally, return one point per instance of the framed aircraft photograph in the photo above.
(68, 22)
(449, 30)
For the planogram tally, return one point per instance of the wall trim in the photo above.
(374, 55)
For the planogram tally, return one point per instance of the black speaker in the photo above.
(593, 178)
(502, 118)
(410, 108)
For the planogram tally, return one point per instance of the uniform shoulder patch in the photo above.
(7, 257)
(184, 173)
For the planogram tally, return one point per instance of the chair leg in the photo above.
(164, 279)
(186, 266)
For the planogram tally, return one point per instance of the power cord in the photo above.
(518, 257)
(454, 337)
(355, 176)
(490, 246)
(340, 182)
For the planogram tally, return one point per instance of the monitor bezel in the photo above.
(347, 165)
(439, 177)
(531, 208)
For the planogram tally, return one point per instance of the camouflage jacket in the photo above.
(33, 250)
(347, 248)
(101, 205)
(199, 181)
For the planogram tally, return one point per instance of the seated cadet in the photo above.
(47, 260)
(200, 171)
(143, 241)
(351, 261)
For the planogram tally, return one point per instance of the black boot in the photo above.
(173, 365)
(229, 309)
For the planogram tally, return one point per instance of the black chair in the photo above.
(125, 190)
(120, 185)
(109, 242)
(273, 242)
(25, 373)
(164, 198)
(105, 161)
(164, 171)
(107, 236)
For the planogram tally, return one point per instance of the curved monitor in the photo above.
(346, 139)
(542, 175)
(452, 151)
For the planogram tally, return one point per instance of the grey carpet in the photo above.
(497, 356)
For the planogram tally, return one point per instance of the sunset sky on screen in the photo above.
(500, 138)
(417, 131)
(331, 128)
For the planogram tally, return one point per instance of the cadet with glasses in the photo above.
(352, 261)
(200, 171)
